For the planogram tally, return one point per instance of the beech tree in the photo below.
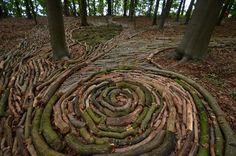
(179, 10)
(83, 13)
(189, 12)
(125, 7)
(165, 13)
(56, 29)
(224, 9)
(109, 9)
(194, 45)
(66, 8)
(132, 8)
(154, 22)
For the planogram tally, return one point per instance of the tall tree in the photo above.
(183, 7)
(197, 37)
(150, 8)
(94, 7)
(74, 8)
(28, 10)
(165, 14)
(154, 22)
(66, 8)
(223, 11)
(33, 12)
(83, 13)
(179, 10)
(189, 12)
(125, 7)
(56, 29)
(132, 8)
(109, 9)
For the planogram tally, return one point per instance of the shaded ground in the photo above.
(216, 73)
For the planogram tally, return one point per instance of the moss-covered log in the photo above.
(3, 101)
(40, 145)
(83, 149)
(49, 134)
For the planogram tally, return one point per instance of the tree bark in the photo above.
(132, 8)
(28, 11)
(33, 12)
(195, 42)
(74, 8)
(183, 7)
(165, 14)
(109, 10)
(150, 8)
(66, 8)
(189, 12)
(125, 7)
(223, 11)
(154, 22)
(83, 13)
(18, 10)
(56, 29)
(179, 10)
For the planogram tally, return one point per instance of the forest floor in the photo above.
(140, 40)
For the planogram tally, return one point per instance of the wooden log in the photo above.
(148, 116)
(3, 102)
(82, 149)
(51, 136)
(40, 145)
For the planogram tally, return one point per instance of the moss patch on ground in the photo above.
(96, 35)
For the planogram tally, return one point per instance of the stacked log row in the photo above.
(128, 111)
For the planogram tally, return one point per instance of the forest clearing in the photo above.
(118, 85)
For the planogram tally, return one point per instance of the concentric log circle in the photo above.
(131, 111)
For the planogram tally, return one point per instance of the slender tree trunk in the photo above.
(18, 10)
(83, 13)
(74, 8)
(196, 39)
(189, 12)
(165, 14)
(125, 7)
(179, 10)
(33, 12)
(109, 10)
(150, 8)
(223, 11)
(28, 11)
(3, 9)
(183, 7)
(56, 29)
(94, 8)
(154, 22)
(132, 8)
(66, 8)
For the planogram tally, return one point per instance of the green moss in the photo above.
(96, 35)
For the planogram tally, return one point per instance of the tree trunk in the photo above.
(66, 8)
(223, 11)
(196, 39)
(109, 10)
(189, 12)
(56, 29)
(28, 11)
(94, 8)
(125, 7)
(83, 13)
(154, 22)
(150, 8)
(165, 14)
(131, 9)
(74, 8)
(183, 7)
(33, 12)
(18, 10)
(179, 10)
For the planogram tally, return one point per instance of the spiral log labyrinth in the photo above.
(131, 111)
